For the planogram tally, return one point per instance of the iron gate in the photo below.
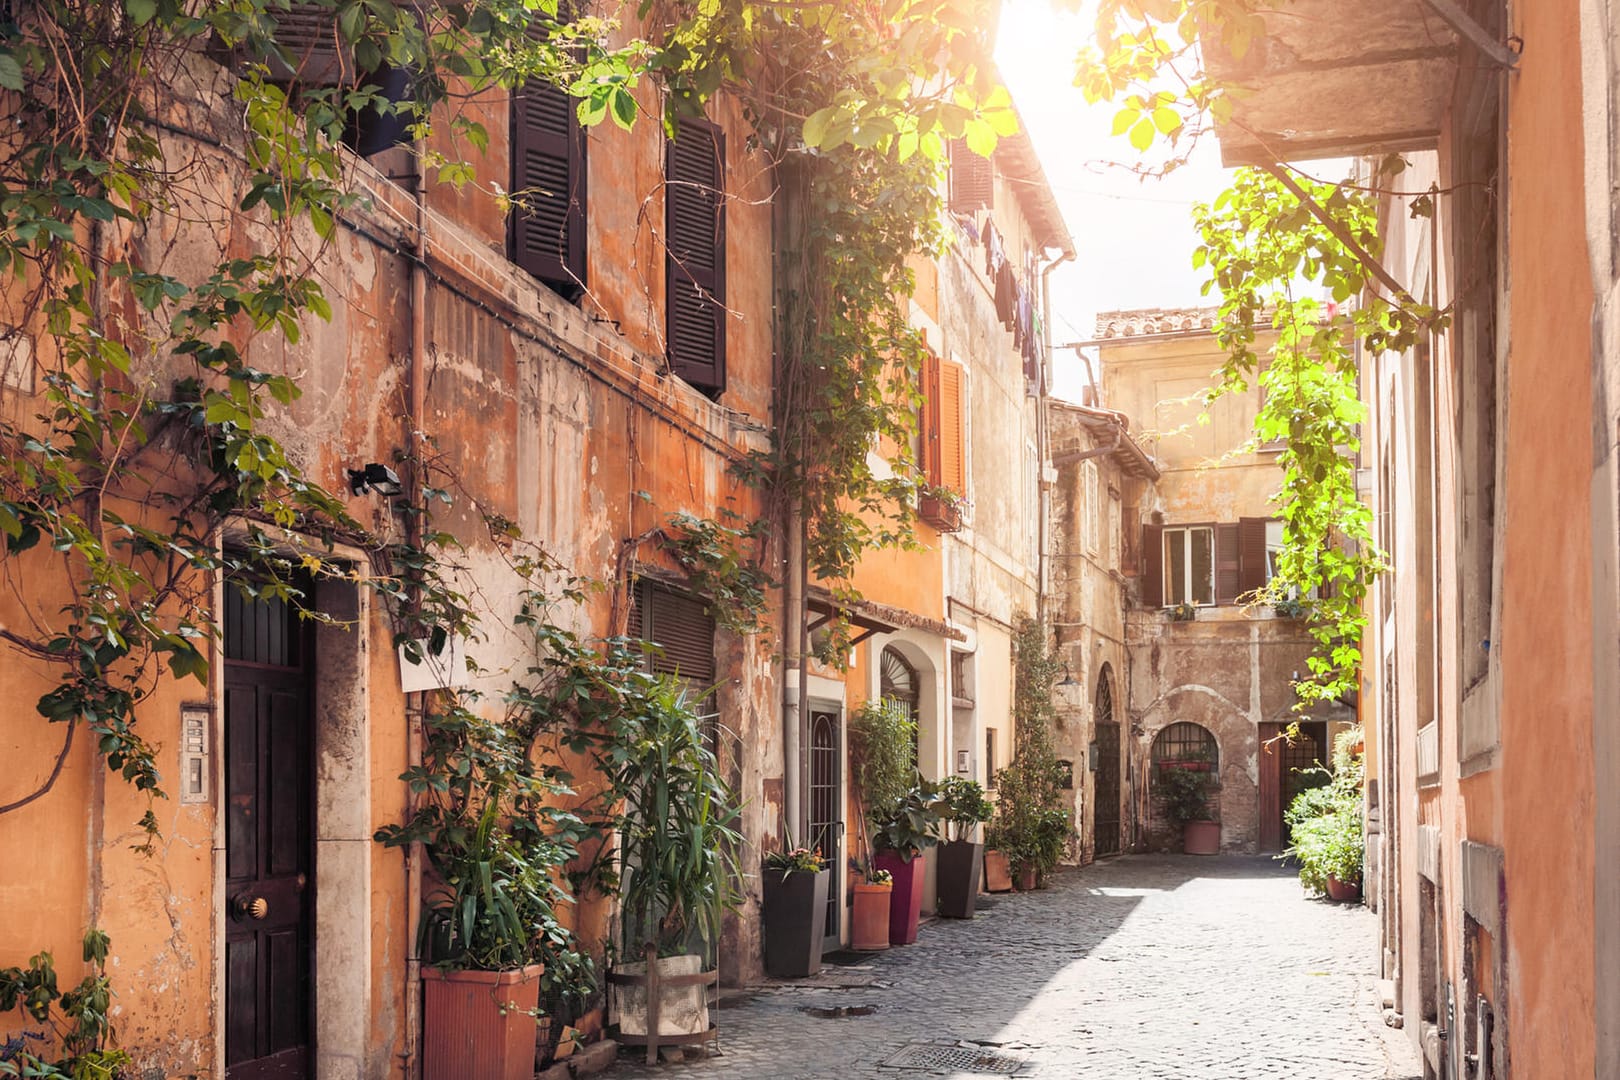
(826, 812)
(1105, 799)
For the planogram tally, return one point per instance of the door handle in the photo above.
(252, 907)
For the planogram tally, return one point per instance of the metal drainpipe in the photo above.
(415, 703)
(1042, 437)
(793, 669)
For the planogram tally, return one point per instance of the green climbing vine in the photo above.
(1286, 254)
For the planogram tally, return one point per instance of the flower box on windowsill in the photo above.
(942, 514)
(1189, 766)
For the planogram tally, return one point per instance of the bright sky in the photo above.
(1134, 237)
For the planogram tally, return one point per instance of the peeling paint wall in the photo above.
(553, 415)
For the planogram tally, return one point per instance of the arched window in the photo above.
(1184, 744)
(1104, 711)
(897, 683)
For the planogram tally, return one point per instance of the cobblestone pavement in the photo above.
(1143, 966)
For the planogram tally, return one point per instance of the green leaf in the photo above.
(140, 11)
(1142, 134)
(815, 125)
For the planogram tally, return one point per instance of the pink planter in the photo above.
(1201, 838)
(905, 905)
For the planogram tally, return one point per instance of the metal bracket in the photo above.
(1464, 24)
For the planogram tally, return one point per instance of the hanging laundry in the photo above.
(995, 253)
(1007, 296)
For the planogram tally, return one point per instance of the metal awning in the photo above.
(1330, 79)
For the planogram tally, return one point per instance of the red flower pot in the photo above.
(997, 876)
(479, 1023)
(1343, 891)
(1201, 838)
(906, 905)
(869, 921)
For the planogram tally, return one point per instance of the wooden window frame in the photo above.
(1167, 595)
(709, 375)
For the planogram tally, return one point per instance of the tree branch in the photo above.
(50, 781)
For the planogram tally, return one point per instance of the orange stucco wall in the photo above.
(547, 415)
(1546, 649)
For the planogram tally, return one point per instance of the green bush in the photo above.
(1324, 822)
(1182, 794)
(962, 805)
(1031, 824)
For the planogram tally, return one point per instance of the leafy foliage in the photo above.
(1324, 821)
(907, 824)
(1031, 825)
(79, 1020)
(962, 806)
(1182, 793)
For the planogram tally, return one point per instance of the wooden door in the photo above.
(826, 813)
(1284, 773)
(269, 894)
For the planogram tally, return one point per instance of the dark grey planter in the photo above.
(794, 912)
(961, 864)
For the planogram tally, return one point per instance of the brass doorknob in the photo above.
(256, 907)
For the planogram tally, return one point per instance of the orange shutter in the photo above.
(952, 430)
(928, 420)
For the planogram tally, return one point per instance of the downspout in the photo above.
(415, 705)
(1042, 436)
(793, 605)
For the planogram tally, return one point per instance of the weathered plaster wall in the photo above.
(544, 415)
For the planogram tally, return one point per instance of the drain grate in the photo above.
(973, 1059)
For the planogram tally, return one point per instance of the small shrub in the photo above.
(1324, 822)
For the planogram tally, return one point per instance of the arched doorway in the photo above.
(1105, 818)
(1184, 745)
(898, 684)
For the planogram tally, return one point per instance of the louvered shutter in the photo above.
(681, 627)
(1251, 554)
(972, 179)
(1153, 566)
(547, 228)
(1226, 564)
(695, 241)
(928, 420)
(308, 33)
(952, 429)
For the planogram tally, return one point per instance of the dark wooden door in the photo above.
(1285, 772)
(269, 864)
(827, 812)
(1105, 809)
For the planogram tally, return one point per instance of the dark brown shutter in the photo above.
(681, 627)
(695, 241)
(1251, 554)
(1152, 566)
(972, 179)
(1226, 564)
(308, 33)
(546, 233)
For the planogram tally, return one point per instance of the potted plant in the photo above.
(1031, 822)
(1325, 826)
(496, 845)
(1183, 797)
(1183, 612)
(902, 829)
(794, 911)
(962, 809)
(676, 869)
(869, 921)
(997, 868)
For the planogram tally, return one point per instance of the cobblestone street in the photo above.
(1150, 966)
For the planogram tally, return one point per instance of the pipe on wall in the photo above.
(1043, 448)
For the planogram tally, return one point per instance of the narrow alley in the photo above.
(1144, 966)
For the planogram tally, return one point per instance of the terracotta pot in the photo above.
(794, 913)
(905, 907)
(960, 867)
(479, 1023)
(997, 877)
(1201, 838)
(869, 921)
(1027, 879)
(1343, 891)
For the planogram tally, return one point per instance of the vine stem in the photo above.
(50, 781)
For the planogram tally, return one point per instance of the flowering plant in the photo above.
(797, 859)
(880, 877)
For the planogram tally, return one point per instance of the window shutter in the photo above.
(928, 420)
(1226, 564)
(952, 429)
(546, 232)
(308, 34)
(681, 627)
(1153, 566)
(1251, 554)
(695, 244)
(972, 180)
